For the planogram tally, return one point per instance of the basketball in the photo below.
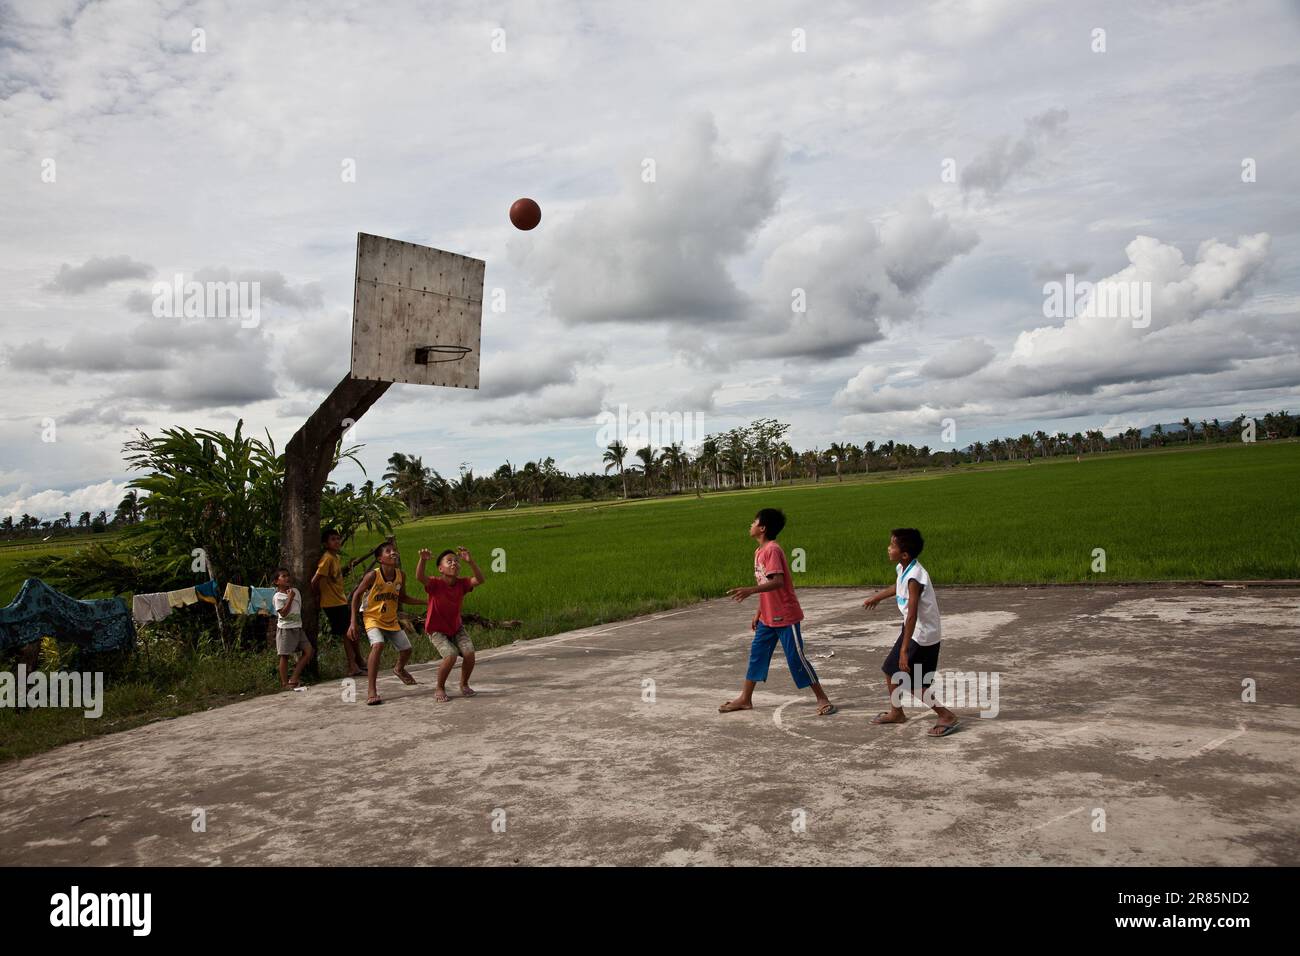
(525, 214)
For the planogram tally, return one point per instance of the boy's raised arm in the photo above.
(478, 572)
(425, 555)
(405, 598)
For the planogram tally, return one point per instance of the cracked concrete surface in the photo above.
(1126, 700)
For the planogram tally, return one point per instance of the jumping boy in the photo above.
(442, 622)
(327, 582)
(289, 636)
(918, 641)
(777, 617)
(377, 598)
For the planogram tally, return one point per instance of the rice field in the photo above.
(1223, 512)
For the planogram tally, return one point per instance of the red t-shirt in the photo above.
(778, 608)
(443, 614)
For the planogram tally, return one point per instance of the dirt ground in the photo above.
(1122, 701)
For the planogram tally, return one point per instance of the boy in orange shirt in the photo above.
(777, 618)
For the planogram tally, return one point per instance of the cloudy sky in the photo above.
(911, 173)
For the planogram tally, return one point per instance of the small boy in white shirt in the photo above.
(918, 641)
(289, 635)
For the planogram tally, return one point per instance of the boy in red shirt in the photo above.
(777, 618)
(442, 622)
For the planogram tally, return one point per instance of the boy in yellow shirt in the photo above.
(327, 582)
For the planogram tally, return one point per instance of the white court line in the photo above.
(1206, 748)
(1049, 822)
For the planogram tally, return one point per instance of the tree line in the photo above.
(753, 455)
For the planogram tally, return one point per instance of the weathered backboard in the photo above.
(417, 314)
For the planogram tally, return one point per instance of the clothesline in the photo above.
(146, 608)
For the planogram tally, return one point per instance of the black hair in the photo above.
(280, 571)
(443, 555)
(909, 541)
(327, 533)
(772, 520)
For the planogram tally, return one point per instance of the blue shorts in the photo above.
(760, 654)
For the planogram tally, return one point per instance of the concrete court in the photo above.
(1123, 699)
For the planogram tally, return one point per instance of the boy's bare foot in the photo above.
(376, 699)
(467, 691)
(403, 676)
(826, 709)
(356, 672)
(886, 718)
(293, 682)
(440, 696)
(731, 705)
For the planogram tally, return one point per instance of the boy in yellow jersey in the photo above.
(330, 598)
(377, 597)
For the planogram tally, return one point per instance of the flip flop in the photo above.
(372, 701)
(944, 730)
(404, 678)
(825, 710)
(880, 723)
(728, 709)
(468, 692)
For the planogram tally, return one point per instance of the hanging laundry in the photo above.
(40, 611)
(260, 603)
(182, 597)
(150, 607)
(207, 591)
(237, 598)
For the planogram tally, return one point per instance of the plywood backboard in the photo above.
(417, 314)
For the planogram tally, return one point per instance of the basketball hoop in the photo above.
(425, 354)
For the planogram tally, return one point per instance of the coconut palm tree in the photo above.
(837, 453)
(647, 456)
(615, 455)
(675, 457)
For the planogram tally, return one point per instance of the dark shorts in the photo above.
(340, 619)
(926, 657)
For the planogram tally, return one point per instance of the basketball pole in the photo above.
(308, 459)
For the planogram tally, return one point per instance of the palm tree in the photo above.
(614, 456)
(407, 478)
(1189, 429)
(709, 461)
(675, 457)
(837, 453)
(647, 456)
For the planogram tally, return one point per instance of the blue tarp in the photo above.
(40, 611)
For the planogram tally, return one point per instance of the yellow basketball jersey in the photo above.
(380, 609)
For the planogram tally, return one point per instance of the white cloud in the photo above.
(960, 359)
(97, 273)
(101, 496)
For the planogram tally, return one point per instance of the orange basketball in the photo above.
(525, 214)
